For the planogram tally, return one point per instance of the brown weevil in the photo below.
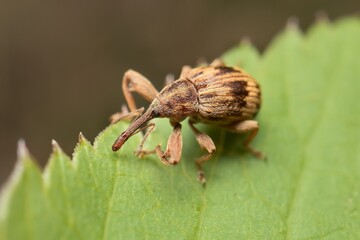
(216, 94)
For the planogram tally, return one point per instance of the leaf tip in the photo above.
(6, 190)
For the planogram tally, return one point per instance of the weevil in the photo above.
(216, 94)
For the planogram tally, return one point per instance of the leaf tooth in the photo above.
(22, 150)
(82, 138)
(55, 147)
(81, 141)
(83, 146)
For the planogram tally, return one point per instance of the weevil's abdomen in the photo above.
(226, 95)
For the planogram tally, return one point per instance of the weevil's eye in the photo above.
(155, 113)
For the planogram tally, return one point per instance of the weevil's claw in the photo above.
(201, 177)
(164, 160)
(255, 153)
(259, 155)
(139, 154)
(164, 156)
(167, 160)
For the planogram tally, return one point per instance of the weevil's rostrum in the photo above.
(216, 94)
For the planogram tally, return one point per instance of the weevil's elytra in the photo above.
(216, 94)
(225, 95)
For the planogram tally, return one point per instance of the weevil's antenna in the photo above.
(134, 126)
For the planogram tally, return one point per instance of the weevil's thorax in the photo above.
(176, 101)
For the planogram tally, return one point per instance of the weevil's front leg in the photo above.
(251, 127)
(140, 152)
(172, 154)
(206, 143)
(134, 82)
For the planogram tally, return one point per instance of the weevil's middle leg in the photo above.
(140, 152)
(206, 143)
(251, 127)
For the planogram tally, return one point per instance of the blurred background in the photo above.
(61, 62)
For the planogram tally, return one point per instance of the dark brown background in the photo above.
(61, 62)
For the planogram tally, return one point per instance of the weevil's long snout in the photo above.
(120, 141)
(134, 126)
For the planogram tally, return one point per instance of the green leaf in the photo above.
(308, 189)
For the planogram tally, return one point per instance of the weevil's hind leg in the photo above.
(251, 127)
(172, 154)
(217, 62)
(206, 143)
(134, 82)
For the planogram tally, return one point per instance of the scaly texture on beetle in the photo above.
(216, 94)
(225, 94)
